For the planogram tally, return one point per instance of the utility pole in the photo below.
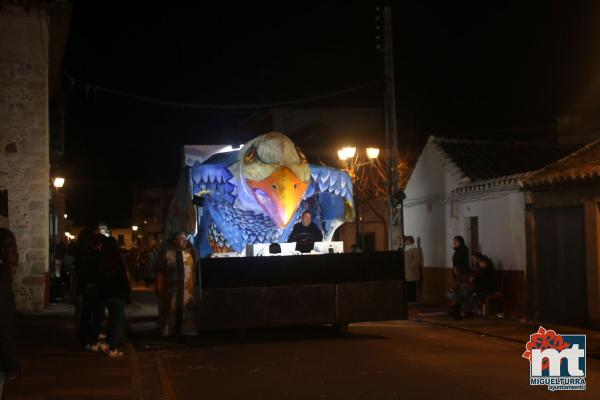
(394, 210)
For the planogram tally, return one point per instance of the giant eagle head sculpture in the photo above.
(277, 173)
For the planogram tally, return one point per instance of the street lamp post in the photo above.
(134, 229)
(351, 161)
(57, 183)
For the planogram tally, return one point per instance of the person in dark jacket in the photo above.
(460, 272)
(115, 291)
(484, 279)
(475, 257)
(9, 259)
(460, 261)
(305, 233)
(482, 282)
(87, 265)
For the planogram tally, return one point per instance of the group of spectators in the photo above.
(97, 277)
(103, 276)
(475, 279)
(140, 261)
(62, 285)
(103, 284)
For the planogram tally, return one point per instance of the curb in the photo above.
(166, 382)
(459, 328)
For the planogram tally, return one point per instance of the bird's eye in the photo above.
(274, 186)
(250, 155)
(301, 154)
(295, 186)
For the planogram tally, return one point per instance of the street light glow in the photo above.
(134, 228)
(66, 216)
(372, 152)
(58, 182)
(346, 153)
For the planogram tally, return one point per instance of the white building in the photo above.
(473, 189)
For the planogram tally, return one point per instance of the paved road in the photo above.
(408, 360)
(55, 366)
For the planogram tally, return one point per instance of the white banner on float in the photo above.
(201, 153)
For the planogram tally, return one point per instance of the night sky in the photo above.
(472, 70)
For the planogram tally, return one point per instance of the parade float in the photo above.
(237, 203)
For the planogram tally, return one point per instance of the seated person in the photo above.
(470, 296)
(305, 233)
(485, 281)
(475, 258)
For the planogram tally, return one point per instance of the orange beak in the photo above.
(279, 194)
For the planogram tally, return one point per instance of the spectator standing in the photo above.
(151, 263)
(413, 263)
(115, 291)
(68, 273)
(9, 259)
(460, 261)
(176, 286)
(87, 264)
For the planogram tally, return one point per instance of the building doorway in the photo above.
(367, 241)
(471, 233)
(561, 265)
(3, 208)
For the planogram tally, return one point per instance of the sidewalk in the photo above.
(503, 328)
(56, 367)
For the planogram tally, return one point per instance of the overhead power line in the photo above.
(215, 107)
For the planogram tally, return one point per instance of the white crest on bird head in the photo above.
(263, 155)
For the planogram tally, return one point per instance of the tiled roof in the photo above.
(507, 182)
(582, 165)
(483, 160)
(482, 165)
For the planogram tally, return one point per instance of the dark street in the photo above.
(392, 360)
(408, 360)
(427, 356)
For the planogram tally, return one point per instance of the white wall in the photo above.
(425, 211)
(501, 219)
(426, 222)
(433, 218)
(428, 177)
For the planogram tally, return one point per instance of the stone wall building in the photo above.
(28, 79)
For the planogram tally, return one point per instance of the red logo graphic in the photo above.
(545, 339)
